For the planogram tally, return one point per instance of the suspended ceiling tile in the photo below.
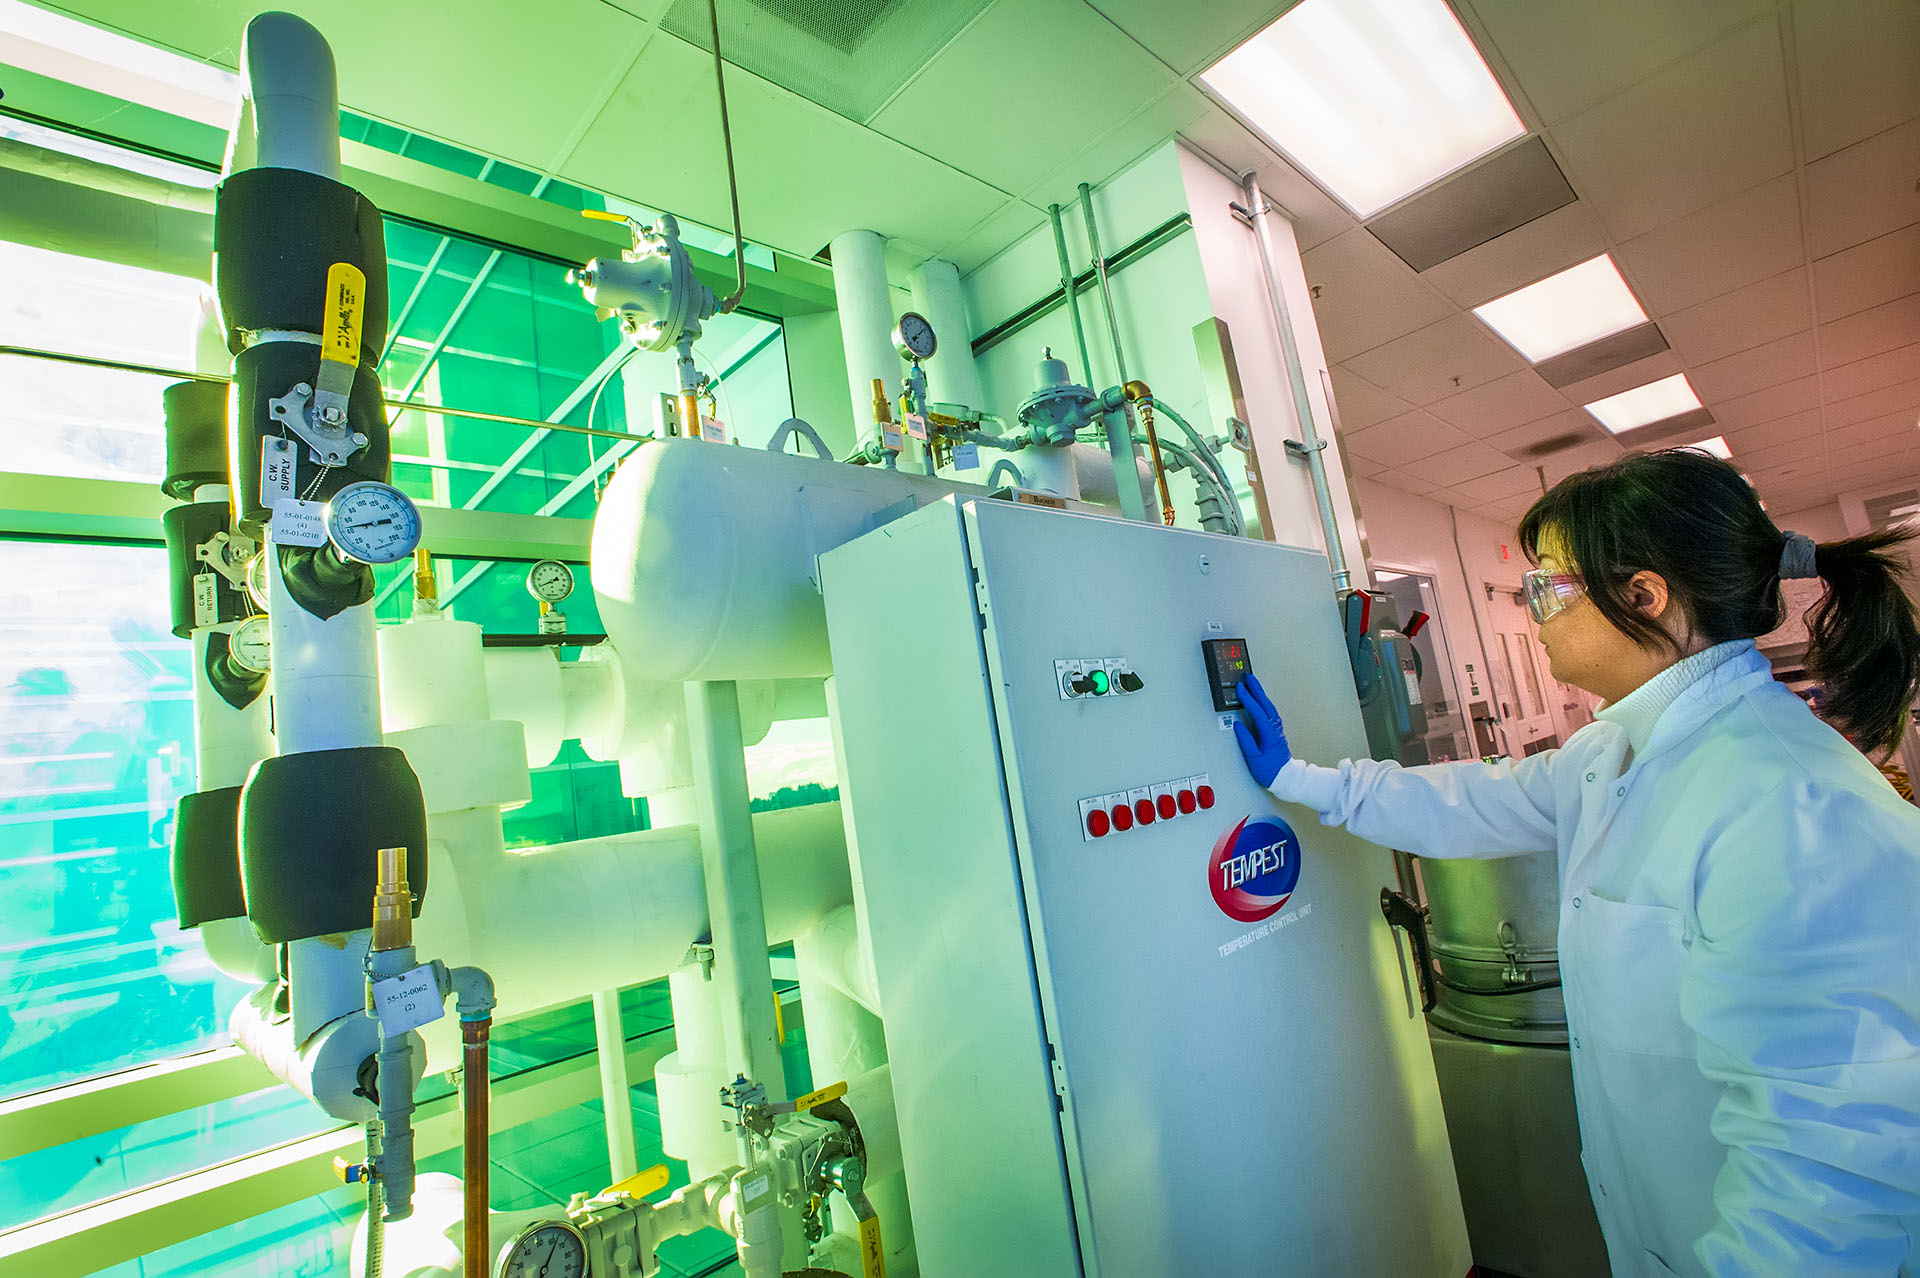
(1536, 439)
(1190, 38)
(1880, 450)
(1728, 245)
(1524, 255)
(1867, 275)
(1765, 365)
(1518, 185)
(1891, 426)
(805, 173)
(1902, 398)
(1704, 128)
(1624, 378)
(998, 229)
(1469, 461)
(1737, 321)
(1864, 191)
(1148, 128)
(1416, 485)
(1585, 457)
(1775, 402)
(1857, 61)
(1756, 459)
(1365, 296)
(1503, 485)
(1405, 439)
(1501, 404)
(1361, 403)
(1871, 332)
(1583, 363)
(1801, 430)
(1568, 56)
(1366, 468)
(1889, 368)
(995, 102)
(1440, 360)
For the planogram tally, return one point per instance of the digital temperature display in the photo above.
(1227, 665)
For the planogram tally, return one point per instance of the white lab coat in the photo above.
(1740, 948)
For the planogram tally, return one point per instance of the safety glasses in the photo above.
(1549, 593)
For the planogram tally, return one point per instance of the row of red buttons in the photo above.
(1122, 817)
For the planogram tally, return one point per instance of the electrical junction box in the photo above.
(1124, 1046)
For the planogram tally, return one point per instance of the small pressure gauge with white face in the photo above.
(550, 581)
(257, 586)
(373, 522)
(250, 645)
(549, 1249)
(914, 337)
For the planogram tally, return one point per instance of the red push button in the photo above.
(1205, 795)
(1098, 824)
(1167, 807)
(1186, 801)
(1143, 811)
(1122, 817)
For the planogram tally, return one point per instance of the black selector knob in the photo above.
(1130, 682)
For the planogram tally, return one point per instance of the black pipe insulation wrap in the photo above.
(185, 528)
(276, 233)
(206, 857)
(238, 686)
(267, 372)
(196, 417)
(311, 825)
(322, 582)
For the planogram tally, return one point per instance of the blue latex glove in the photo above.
(1265, 746)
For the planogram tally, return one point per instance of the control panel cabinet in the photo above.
(1143, 1019)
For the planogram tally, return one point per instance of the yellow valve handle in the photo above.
(346, 303)
(831, 1092)
(647, 1182)
(602, 215)
(873, 1257)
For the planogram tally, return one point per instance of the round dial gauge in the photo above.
(373, 522)
(249, 645)
(550, 581)
(257, 580)
(550, 1249)
(914, 336)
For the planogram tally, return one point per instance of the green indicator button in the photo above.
(1098, 678)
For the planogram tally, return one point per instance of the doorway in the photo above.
(1521, 683)
(1413, 593)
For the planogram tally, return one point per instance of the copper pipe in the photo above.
(1138, 393)
(473, 1111)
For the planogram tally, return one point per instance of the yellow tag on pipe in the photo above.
(873, 1258)
(831, 1092)
(779, 1021)
(346, 303)
(602, 215)
(652, 1179)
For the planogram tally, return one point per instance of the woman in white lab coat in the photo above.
(1740, 889)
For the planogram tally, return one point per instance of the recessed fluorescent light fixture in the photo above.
(1564, 312)
(78, 53)
(1654, 402)
(1715, 447)
(1373, 98)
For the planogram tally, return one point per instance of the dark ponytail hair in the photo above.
(1696, 522)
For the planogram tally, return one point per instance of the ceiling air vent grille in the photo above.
(1556, 443)
(850, 56)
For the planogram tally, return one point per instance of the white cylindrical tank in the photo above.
(951, 374)
(704, 557)
(866, 322)
(431, 671)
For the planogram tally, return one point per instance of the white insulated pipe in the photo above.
(616, 1096)
(866, 323)
(952, 375)
(688, 1079)
(326, 681)
(289, 116)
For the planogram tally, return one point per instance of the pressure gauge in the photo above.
(550, 1249)
(249, 645)
(914, 337)
(257, 579)
(550, 581)
(373, 522)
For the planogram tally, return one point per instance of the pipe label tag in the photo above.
(916, 426)
(300, 523)
(278, 458)
(407, 1001)
(966, 457)
(206, 599)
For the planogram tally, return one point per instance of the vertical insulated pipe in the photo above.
(955, 378)
(1258, 211)
(616, 1097)
(866, 322)
(736, 914)
(1126, 469)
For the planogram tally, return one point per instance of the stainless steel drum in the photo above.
(1493, 930)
